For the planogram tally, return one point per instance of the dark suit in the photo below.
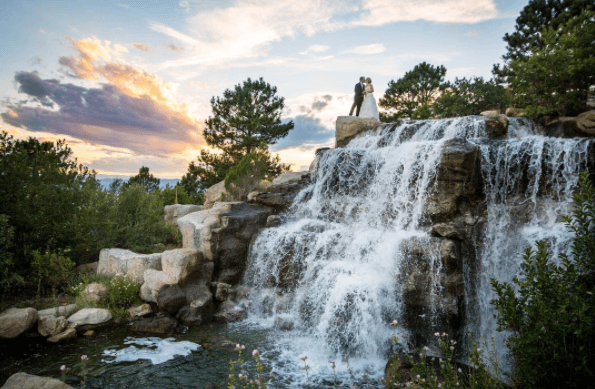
(358, 99)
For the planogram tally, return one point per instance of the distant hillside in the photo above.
(107, 180)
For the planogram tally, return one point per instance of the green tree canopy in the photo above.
(146, 179)
(411, 95)
(472, 96)
(246, 120)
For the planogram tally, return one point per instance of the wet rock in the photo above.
(284, 323)
(229, 312)
(282, 191)
(119, 261)
(318, 154)
(69, 333)
(273, 221)
(170, 299)
(221, 290)
(157, 326)
(29, 381)
(95, 291)
(64, 310)
(496, 126)
(214, 194)
(180, 264)
(51, 325)
(198, 311)
(240, 292)
(87, 268)
(173, 212)
(570, 127)
(446, 230)
(348, 127)
(89, 317)
(15, 321)
(140, 310)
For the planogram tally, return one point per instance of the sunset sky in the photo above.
(129, 83)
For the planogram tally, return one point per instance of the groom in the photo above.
(358, 99)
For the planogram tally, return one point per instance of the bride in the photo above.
(369, 107)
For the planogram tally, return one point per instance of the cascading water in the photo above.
(334, 274)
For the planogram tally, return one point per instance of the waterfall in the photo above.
(356, 251)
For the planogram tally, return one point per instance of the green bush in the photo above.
(245, 176)
(550, 310)
(122, 291)
(50, 270)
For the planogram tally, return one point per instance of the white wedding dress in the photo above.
(369, 108)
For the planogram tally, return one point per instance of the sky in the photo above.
(129, 83)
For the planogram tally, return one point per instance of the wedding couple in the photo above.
(364, 100)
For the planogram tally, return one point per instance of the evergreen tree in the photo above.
(246, 120)
(411, 95)
(144, 178)
(472, 96)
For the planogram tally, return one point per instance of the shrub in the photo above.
(245, 176)
(50, 270)
(122, 291)
(551, 310)
(8, 277)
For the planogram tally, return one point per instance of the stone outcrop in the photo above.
(69, 333)
(63, 310)
(15, 321)
(229, 312)
(512, 112)
(174, 212)
(89, 317)
(222, 235)
(281, 192)
(95, 291)
(180, 264)
(569, 127)
(29, 381)
(154, 281)
(119, 261)
(348, 127)
(140, 310)
(199, 310)
(51, 325)
(214, 194)
(496, 124)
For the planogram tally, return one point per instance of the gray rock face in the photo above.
(199, 311)
(89, 316)
(173, 212)
(28, 381)
(51, 325)
(214, 194)
(180, 264)
(222, 290)
(229, 312)
(515, 112)
(281, 193)
(69, 333)
(154, 281)
(222, 235)
(158, 326)
(497, 126)
(15, 321)
(170, 299)
(119, 261)
(95, 291)
(140, 310)
(64, 310)
(570, 127)
(348, 127)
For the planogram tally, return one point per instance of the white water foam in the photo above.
(156, 350)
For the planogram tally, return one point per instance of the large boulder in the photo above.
(140, 310)
(222, 235)
(282, 191)
(68, 333)
(496, 124)
(154, 281)
(51, 325)
(63, 310)
(15, 321)
(119, 261)
(229, 312)
(348, 127)
(29, 381)
(570, 127)
(180, 264)
(173, 212)
(170, 299)
(214, 194)
(199, 310)
(89, 317)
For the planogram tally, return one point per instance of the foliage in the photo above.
(144, 178)
(243, 379)
(122, 291)
(245, 176)
(551, 310)
(175, 195)
(471, 96)
(413, 92)
(8, 276)
(556, 77)
(50, 270)
(245, 120)
(533, 19)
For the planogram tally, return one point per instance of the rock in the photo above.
(170, 299)
(515, 112)
(154, 282)
(222, 290)
(199, 311)
(318, 154)
(89, 333)
(273, 221)
(222, 235)
(282, 191)
(215, 193)
(284, 323)
(240, 292)
(493, 113)
(158, 325)
(15, 321)
(496, 126)
(570, 127)
(586, 123)
(28, 381)
(95, 291)
(89, 317)
(64, 310)
(140, 310)
(446, 231)
(229, 312)
(181, 263)
(119, 261)
(173, 212)
(348, 127)
(51, 325)
(87, 268)
(69, 333)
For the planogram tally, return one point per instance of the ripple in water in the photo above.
(156, 350)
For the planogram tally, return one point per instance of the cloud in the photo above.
(173, 47)
(315, 49)
(307, 132)
(141, 46)
(375, 48)
(106, 115)
(473, 33)
(185, 5)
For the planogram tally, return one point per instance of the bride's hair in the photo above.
(369, 80)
